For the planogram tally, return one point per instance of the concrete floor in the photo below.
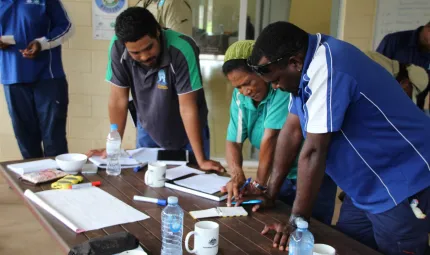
(20, 232)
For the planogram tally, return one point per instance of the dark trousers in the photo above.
(39, 112)
(145, 140)
(394, 232)
(324, 205)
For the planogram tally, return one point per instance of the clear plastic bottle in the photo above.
(301, 240)
(172, 228)
(113, 150)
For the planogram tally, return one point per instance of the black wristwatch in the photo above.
(259, 186)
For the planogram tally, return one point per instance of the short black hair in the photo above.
(280, 39)
(235, 64)
(135, 23)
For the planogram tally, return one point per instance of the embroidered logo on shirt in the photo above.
(161, 80)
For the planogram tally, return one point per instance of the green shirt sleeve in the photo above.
(278, 110)
(237, 128)
(115, 73)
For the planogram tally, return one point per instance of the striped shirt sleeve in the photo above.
(186, 66)
(330, 94)
(115, 73)
(61, 28)
(237, 127)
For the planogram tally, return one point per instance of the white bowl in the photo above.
(71, 163)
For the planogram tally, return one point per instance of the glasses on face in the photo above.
(262, 69)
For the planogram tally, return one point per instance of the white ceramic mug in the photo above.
(323, 249)
(155, 176)
(206, 236)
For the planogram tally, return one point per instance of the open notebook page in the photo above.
(207, 183)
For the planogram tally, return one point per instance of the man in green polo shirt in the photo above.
(161, 70)
(257, 113)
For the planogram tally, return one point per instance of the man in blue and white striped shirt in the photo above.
(32, 73)
(360, 128)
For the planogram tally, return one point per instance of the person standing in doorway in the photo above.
(32, 73)
(172, 14)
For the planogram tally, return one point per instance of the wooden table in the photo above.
(239, 235)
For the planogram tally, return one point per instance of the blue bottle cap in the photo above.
(113, 127)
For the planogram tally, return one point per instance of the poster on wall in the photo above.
(104, 15)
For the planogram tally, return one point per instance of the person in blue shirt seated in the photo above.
(412, 47)
(359, 127)
(32, 73)
(257, 113)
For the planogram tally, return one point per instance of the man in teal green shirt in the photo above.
(257, 113)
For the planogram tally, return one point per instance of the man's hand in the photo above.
(266, 202)
(233, 186)
(3, 45)
(98, 152)
(32, 50)
(282, 235)
(208, 165)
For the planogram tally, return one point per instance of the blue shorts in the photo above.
(144, 140)
(394, 232)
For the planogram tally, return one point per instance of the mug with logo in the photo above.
(155, 176)
(206, 236)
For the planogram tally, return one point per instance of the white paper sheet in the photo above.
(144, 154)
(33, 166)
(174, 173)
(208, 183)
(125, 160)
(8, 39)
(86, 209)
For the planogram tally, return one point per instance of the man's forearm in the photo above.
(287, 149)
(310, 175)
(234, 157)
(190, 118)
(118, 114)
(267, 151)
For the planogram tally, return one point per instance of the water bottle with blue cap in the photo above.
(172, 227)
(301, 240)
(113, 151)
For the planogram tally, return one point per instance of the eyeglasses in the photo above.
(262, 69)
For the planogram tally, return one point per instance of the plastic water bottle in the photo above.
(172, 222)
(301, 240)
(113, 150)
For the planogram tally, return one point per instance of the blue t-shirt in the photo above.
(379, 152)
(403, 46)
(28, 20)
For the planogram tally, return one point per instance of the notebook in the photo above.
(33, 166)
(219, 212)
(202, 185)
(168, 157)
(179, 171)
